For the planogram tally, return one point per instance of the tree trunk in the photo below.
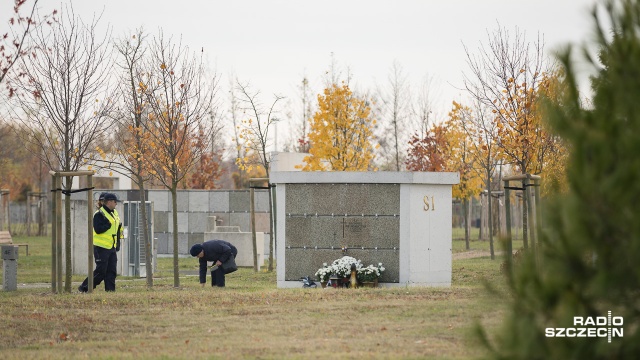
(174, 207)
(493, 255)
(525, 223)
(67, 235)
(467, 224)
(145, 234)
(482, 219)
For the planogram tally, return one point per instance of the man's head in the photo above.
(197, 250)
(110, 200)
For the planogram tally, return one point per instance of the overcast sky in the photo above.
(274, 43)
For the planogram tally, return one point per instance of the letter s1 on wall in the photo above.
(428, 206)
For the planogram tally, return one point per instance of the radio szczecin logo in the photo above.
(599, 326)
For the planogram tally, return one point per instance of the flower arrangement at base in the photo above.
(324, 273)
(342, 267)
(370, 273)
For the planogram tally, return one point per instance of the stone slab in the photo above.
(242, 220)
(261, 198)
(262, 222)
(198, 201)
(183, 222)
(162, 243)
(368, 232)
(198, 222)
(160, 199)
(182, 200)
(239, 201)
(10, 275)
(183, 244)
(351, 199)
(160, 221)
(219, 201)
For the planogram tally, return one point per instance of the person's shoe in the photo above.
(80, 289)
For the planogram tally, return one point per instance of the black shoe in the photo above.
(81, 289)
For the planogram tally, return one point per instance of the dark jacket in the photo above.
(215, 250)
(100, 222)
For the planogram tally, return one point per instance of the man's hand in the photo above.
(218, 263)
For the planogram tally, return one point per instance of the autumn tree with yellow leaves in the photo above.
(340, 132)
(477, 133)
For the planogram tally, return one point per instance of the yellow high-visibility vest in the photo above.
(108, 239)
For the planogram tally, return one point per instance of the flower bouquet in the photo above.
(342, 267)
(324, 273)
(370, 273)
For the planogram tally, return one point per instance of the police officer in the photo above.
(107, 236)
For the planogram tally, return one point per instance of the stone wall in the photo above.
(231, 207)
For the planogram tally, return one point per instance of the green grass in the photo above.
(483, 245)
(250, 318)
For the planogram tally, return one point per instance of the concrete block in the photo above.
(198, 222)
(322, 232)
(243, 220)
(183, 222)
(262, 222)
(261, 200)
(9, 274)
(182, 199)
(160, 221)
(9, 252)
(160, 199)
(219, 201)
(239, 201)
(198, 201)
(162, 243)
(352, 199)
(183, 242)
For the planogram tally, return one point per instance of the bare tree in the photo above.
(300, 117)
(65, 99)
(255, 132)
(422, 109)
(395, 102)
(132, 149)
(506, 78)
(179, 93)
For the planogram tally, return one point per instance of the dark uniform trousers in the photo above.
(106, 269)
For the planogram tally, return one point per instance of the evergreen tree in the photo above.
(586, 264)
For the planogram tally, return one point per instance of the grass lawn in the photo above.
(250, 318)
